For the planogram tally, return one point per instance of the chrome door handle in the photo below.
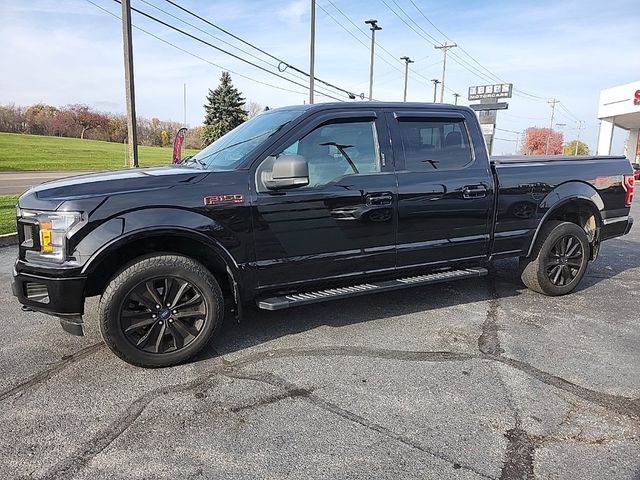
(474, 191)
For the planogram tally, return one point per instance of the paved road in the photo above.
(17, 182)
(475, 379)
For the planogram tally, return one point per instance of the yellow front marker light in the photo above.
(46, 243)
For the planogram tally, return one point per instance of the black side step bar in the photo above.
(294, 299)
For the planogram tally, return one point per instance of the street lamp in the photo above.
(455, 96)
(373, 27)
(435, 88)
(407, 61)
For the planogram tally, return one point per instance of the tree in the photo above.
(253, 109)
(224, 110)
(570, 148)
(535, 141)
(86, 118)
(39, 119)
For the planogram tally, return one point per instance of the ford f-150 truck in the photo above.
(305, 204)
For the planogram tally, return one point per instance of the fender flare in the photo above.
(563, 195)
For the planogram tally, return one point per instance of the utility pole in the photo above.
(312, 51)
(184, 102)
(407, 61)
(455, 96)
(374, 27)
(128, 84)
(551, 102)
(445, 48)
(435, 88)
(580, 126)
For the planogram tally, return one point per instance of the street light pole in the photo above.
(445, 48)
(407, 61)
(132, 133)
(455, 96)
(435, 88)
(373, 26)
(312, 51)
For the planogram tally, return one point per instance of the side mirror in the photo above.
(289, 171)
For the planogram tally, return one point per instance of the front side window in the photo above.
(435, 144)
(338, 149)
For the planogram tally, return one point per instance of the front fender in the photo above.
(222, 236)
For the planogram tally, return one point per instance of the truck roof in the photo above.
(375, 104)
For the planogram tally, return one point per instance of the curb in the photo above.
(8, 239)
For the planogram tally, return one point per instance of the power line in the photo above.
(522, 92)
(195, 55)
(168, 25)
(508, 131)
(281, 62)
(294, 74)
(395, 67)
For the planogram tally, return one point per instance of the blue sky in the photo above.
(69, 51)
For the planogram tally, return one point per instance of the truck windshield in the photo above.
(228, 151)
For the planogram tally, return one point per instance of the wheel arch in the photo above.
(121, 251)
(575, 202)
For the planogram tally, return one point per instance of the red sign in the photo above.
(177, 145)
(636, 99)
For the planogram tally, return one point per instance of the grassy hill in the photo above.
(8, 213)
(20, 152)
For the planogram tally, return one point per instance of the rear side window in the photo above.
(435, 144)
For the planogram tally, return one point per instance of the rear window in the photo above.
(435, 144)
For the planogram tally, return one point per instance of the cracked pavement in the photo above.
(471, 379)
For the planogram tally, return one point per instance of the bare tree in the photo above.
(253, 109)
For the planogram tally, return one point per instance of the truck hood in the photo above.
(50, 195)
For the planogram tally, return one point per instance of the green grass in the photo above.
(8, 213)
(19, 152)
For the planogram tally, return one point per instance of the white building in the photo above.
(620, 107)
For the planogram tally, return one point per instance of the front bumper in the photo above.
(59, 296)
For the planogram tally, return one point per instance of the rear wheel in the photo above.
(160, 310)
(558, 261)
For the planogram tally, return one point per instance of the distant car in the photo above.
(636, 171)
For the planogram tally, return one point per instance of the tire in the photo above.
(558, 260)
(138, 322)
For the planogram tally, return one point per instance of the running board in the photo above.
(294, 299)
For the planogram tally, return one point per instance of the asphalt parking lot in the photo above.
(474, 379)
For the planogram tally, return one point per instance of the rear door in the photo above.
(445, 188)
(343, 222)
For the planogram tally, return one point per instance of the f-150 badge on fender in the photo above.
(230, 198)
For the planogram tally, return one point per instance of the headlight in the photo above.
(54, 229)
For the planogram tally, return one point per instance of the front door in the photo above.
(343, 222)
(445, 189)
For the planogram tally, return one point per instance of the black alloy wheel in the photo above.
(160, 310)
(564, 260)
(163, 315)
(559, 259)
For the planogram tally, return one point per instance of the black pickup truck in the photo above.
(305, 204)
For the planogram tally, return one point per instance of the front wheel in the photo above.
(558, 261)
(160, 310)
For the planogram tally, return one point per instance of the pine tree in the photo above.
(224, 110)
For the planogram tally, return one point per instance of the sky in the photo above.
(70, 51)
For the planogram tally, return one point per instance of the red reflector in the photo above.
(628, 185)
